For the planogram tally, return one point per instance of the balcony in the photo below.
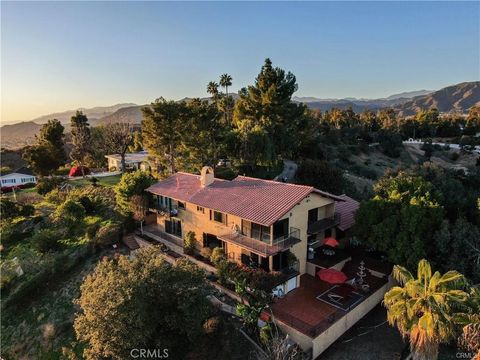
(324, 224)
(263, 248)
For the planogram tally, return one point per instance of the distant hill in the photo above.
(19, 135)
(23, 133)
(92, 113)
(127, 114)
(458, 97)
(359, 105)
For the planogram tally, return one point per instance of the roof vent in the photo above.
(206, 176)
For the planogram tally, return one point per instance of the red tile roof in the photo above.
(346, 209)
(257, 200)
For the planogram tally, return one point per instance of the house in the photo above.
(18, 179)
(136, 161)
(264, 224)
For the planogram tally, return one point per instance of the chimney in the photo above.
(206, 176)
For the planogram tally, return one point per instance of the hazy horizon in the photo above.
(63, 56)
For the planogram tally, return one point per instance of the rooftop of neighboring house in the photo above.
(21, 171)
(346, 209)
(136, 157)
(257, 200)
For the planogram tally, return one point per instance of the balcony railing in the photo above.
(324, 224)
(262, 248)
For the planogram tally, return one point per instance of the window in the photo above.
(312, 215)
(201, 209)
(260, 232)
(181, 205)
(219, 217)
(280, 229)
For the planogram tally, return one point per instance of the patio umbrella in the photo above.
(330, 241)
(332, 276)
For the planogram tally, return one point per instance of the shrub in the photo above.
(390, 143)
(189, 243)
(87, 204)
(131, 184)
(27, 210)
(56, 197)
(218, 255)
(70, 213)
(206, 252)
(8, 208)
(108, 235)
(364, 171)
(46, 240)
(454, 156)
(45, 185)
(94, 181)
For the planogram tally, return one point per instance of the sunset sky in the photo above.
(57, 56)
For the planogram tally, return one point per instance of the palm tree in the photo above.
(226, 81)
(470, 322)
(212, 89)
(422, 308)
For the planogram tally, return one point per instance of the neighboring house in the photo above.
(136, 161)
(18, 178)
(261, 223)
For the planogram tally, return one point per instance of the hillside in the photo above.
(458, 97)
(92, 113)
(23, 133)
(18, 135)
(131, 113)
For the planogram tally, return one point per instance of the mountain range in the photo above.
(458, 97)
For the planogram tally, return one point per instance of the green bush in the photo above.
(70, 213)
(364, 171)
(56, 197)
(108, 235)
(10, 209)
(454, 156)
(218, 254)
(131, 184)
(206, 252)
(46, 240)
(45, 185)
(189, 241)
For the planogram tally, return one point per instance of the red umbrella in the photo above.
(330, 241)
(332, 276)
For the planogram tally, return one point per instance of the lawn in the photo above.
(107, 181)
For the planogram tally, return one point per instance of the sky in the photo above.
(58, 56)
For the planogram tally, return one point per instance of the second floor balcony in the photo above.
(318, 226)
(261, 244)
